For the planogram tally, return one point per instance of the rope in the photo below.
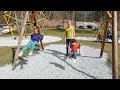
(99, 29)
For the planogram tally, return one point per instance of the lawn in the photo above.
(6, 53)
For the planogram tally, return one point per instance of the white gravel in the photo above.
(52, 64)
(9, 41)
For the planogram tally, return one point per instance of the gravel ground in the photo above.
(52, 64)
(9, 41)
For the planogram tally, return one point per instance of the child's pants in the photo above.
(30, 45)
(109, 36)
(99, 40)
(73, 55)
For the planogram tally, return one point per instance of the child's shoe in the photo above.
(70, 59)
(30, 53)
(20, 54)
(74, 60)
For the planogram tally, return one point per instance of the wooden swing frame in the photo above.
(112, 16)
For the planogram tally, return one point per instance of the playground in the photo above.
(51, 63)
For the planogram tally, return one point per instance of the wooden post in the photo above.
(109, 14)
(114, 46)
(36, 18)
(33, 16)
(105, 32)
(104, 38)
(20, 38)
(18, 26)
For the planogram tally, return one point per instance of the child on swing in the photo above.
(35, 38)
(74, 47)
(99, 38)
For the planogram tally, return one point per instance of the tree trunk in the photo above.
(18, 26)
(20, 38)
(84, 16)
(73, 17)
(22, 14)
(48, 18)
(63, 19)
(28, 19)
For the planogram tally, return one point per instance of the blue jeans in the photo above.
(109, 36)
(73, 55)
(68, 42)
(30, 45)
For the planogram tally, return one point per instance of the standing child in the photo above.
(69, 36)
(35, 38)
(74, 47)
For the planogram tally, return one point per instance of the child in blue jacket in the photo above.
(35, 38)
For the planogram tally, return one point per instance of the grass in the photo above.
(6, 53)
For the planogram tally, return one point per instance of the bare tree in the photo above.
(20, 38)
(18, 26)
(73, 16)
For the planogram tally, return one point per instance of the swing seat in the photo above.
(37, 48)
(78, 51)
(37, 45)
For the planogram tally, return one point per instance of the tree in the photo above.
(20, 38)
(98, 15)
(17, 23)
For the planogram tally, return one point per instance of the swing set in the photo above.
(111, 16)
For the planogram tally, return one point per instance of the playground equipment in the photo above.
(100, 28)
(7, 16)
(109, 33)
(78, 51)
(112, 16)
(14, 22)
(37, 21)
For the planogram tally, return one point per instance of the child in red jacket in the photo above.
(74, 47)
(99, 38)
